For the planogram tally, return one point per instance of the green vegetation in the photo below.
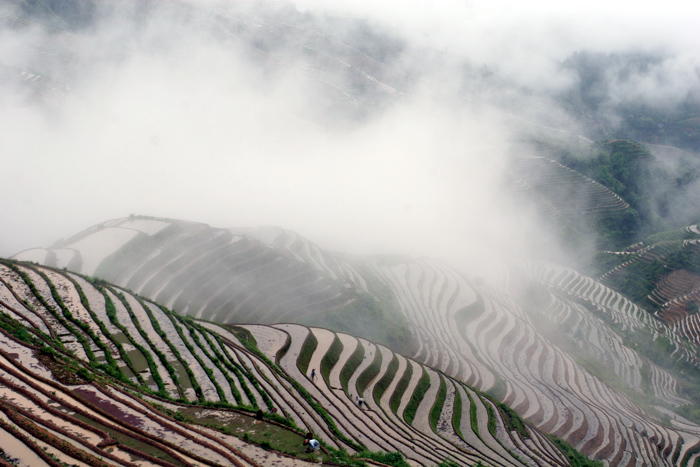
(436, 410)
(306, 352)
(418, 395)
(191, 379)
(175, 319)
(401, 388)
(492, 419)
(395, 459)
(331, 358)
(376, 320)
(639, 278)
(370, 372)
(73, 325)
(245, 337)
(277, 437)
(250, 344)
(342, 457)
(224, 364)
(457, 414)
(19, 331)
(590, 100)
(205, 346)
(112, 315)
(110, 367)
(652, 188)
(449, 463)
(351, 365)
(473, 415)
(512, 420)
(151, 362)
(179, 381)
(386, 380)
(576, 458)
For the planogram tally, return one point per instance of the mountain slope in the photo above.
(571, 356)
(85, 404)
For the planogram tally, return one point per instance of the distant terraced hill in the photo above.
(561, 191)
(570, 355)
(256, 276)
(341, 79)
(91, 374)
(663, 273)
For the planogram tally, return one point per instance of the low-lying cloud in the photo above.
(167, 114)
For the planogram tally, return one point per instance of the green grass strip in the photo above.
(331, 359)
(418, 395)
(111, 311)
(111, 367)
(370, 373)
(575, 457)
(492, 419)
(306, 352)
(309, 399)
(386, 380)
(394, 459)
(457, 413)
(178, 320)
(473, 415)
(239, 370)
(65, 317)
(173, 350)
(220, 361)
(401, 387)
(162, 392)
(513, 420)
(439, 403)
(351, 365)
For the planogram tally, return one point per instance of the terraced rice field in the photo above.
(675, 294)
(569, 354)
(480, 335)
(217, 274)
(52, 398)
(560, 190)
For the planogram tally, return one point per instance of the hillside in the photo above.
(232, 276)
(662, 272)
(571, 356)
(94, 375)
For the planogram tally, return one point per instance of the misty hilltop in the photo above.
(482, 219)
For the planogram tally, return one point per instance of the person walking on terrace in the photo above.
(313, 374)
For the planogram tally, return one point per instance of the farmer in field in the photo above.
(311, 445)
(361, 402)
